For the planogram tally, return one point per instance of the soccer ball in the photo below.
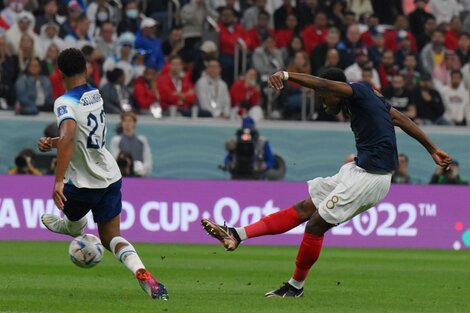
(86, 251)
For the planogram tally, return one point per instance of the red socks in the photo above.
(276, 223)
(308, 254)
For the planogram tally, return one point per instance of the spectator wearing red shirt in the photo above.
(452, 35)
(175, 89)
(56, 83)
(145, 89)
(399, 30)
(316, 33)
(92, 56)
(283, 36)
(367, 38)
(257, 34)
(230, 34)
(387, 69)
(245, 96)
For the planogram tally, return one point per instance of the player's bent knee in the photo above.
(317, 225)
(305, 209)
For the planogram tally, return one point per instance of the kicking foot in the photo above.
(58, 225)
(151, 286)
(221, 233)
(286, 291)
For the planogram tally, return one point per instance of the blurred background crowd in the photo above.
(212, 58)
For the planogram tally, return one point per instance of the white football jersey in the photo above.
(92, 165)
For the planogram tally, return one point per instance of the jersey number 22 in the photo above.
(93, 138)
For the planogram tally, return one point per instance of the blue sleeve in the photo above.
(159, 59)
(228, 159)
(268, 156)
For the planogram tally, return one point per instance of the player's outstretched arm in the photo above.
(341, 89)
(401, 120)
(65, 147)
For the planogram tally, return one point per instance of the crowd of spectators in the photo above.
(214, 58)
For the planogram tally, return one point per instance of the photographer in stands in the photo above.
(249, 155)
(24, 164)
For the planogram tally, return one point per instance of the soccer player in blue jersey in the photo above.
(87, 176)
(358, 185)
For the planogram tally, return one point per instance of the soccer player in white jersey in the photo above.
(87, 176)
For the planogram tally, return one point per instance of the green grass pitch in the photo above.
(38, 277)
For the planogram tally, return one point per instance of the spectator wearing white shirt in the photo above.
(354, 72)
(444, 10)
(267, 59)
(79, 37)
(212, 92)
(456, 100)
(23, 25)
(122, 58)
(50, 35)
(106, 42)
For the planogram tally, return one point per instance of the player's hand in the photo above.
(441, 158)
(45, 144)
(276, 81)
(58, 195)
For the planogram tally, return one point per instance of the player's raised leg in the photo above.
(64, 225)
(275, 223)
(126, 253)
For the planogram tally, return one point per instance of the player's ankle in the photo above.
(296, 284)
(235, 234)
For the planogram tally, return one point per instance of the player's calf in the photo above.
(127, 255)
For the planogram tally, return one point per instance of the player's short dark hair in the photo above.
(71, 62)
(333, 73)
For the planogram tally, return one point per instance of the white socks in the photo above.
(75, 227)
(296, 284)
(241, 233)
(126, 254)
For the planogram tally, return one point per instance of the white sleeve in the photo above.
(226, 100)
(148, 162)
(63, 111)
(202, 95)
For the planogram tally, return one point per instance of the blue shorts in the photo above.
(104, 203)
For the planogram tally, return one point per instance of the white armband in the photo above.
(285, 75)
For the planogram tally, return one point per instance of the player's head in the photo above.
(332, 103)
(71, 63)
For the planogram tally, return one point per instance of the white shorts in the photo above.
(352, 191)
